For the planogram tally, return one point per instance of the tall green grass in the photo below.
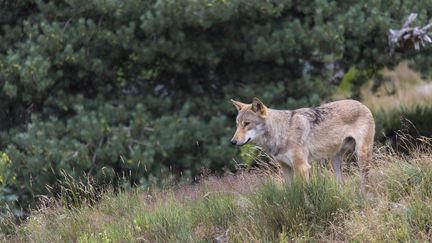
(272, 209)
(253, 208)
(401, 209)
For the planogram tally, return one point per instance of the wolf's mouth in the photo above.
(246, 142)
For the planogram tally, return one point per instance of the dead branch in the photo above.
(407, 36)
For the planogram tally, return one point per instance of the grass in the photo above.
(253, 207)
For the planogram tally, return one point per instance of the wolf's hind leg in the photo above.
(337, 167)
(364, 154)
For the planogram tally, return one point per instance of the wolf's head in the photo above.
(250, 121)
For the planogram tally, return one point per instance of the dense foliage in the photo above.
(141, 88)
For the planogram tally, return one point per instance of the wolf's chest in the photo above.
(287, 158)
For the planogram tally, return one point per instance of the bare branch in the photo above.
(408, 37)
(409, 20)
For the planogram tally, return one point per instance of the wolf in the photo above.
(294, 138)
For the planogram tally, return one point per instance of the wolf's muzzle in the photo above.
(234, 142)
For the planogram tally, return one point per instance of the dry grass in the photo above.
(257, 206)
(403, 87)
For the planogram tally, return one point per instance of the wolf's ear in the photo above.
(238, 105)
(259, 107)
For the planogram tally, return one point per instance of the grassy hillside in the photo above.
(254, 206)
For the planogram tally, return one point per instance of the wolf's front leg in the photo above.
(300, 163)
(287, 171)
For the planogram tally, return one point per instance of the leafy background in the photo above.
(141, 89)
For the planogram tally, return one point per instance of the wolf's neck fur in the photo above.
(275, 132)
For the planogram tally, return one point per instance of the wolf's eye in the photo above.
(246, 124)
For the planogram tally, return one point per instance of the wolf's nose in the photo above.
(233, 142)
